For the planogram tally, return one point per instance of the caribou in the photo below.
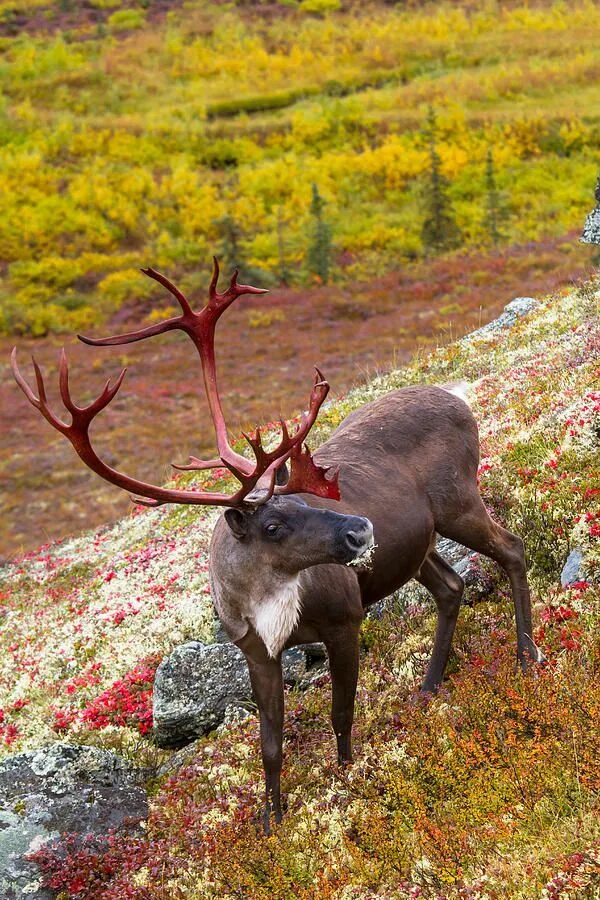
(308, 542)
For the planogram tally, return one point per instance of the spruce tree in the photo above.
(439, 231)
(319, 251)
(284, 273)
(494, 206)
(230, 252)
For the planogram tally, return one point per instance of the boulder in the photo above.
(591, 228)
(60, 789)
(197, 683)
(574, 569)
(193, 688)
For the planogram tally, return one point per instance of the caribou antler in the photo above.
(305, 475)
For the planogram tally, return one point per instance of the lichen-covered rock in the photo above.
(60, 789)
(574, 569)
(198, 682)
(193, 688)
(512, 312)
(591, 229)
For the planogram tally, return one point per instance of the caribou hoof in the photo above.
(426, 693)
(344, 762)
(270, 815)
(532, 659)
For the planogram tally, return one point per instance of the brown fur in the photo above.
(408, 463)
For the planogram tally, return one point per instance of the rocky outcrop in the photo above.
(56, 790)
(511, 313)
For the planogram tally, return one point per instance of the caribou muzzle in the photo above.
(355, 538)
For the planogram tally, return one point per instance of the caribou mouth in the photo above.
(364, 560)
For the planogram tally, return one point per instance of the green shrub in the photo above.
(126, 19)
(320, 6)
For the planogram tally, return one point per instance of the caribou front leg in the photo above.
(267, 684)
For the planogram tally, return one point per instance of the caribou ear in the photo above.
(282, 475)
(237, 521)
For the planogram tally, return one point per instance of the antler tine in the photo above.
(41, 402)
(220, 301)
(39, 380)
(85, 413)
(108, 393)
(212, 290)
(184, 321)
(63, 383)
(172, 288)
(196, 465)
(285, 435)
(260, 454)
(35, 401)
(132, 336)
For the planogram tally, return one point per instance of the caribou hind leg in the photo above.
(475, 529)
(447, 588)
(343, 652)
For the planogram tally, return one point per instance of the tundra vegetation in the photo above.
(108, 163)
(489, 790)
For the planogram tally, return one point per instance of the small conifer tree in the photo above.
(284, 273)
(230, 252)
(439, 231)
(319, 251)
(495, 207)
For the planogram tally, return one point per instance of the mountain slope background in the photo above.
(488, 791)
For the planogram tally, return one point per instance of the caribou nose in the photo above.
(355, 541)
(360, 537)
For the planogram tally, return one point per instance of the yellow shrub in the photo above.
(262, 318)
(121, 287)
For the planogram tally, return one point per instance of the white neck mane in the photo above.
(275, 616)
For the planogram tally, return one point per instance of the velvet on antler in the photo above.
(257, 479)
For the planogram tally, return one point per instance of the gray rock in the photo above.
(192, 689)
(60, 789)
(591, 229)
(512, 312)
(316, 671)
(197, 683)
(234, 714)
(574, 568)
(453, 553)
(294, 665)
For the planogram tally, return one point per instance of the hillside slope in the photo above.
(489, 791)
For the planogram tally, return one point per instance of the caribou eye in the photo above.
(272, 529)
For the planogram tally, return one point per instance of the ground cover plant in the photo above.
(490, 790)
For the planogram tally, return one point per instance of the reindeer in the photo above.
(398, 471)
